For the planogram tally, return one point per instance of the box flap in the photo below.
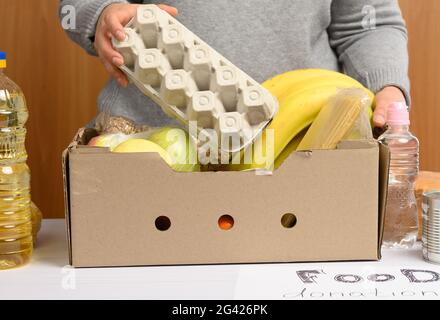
(384, 168)
(89, 149)
(65, 166)
(82, 137)
(357, 144)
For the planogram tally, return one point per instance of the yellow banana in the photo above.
(326, 81)
(301, 95)
(281, 83)
(290, 148)
(294, 115)
(301, 103)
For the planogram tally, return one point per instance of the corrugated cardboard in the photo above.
(113, 200)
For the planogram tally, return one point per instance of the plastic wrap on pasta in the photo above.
(362, 129)
(346, 117)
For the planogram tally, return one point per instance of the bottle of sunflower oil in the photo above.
(15, 201)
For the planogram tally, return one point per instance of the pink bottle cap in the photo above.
(398, 114)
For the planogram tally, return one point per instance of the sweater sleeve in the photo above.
(370, 39)
(87, 13)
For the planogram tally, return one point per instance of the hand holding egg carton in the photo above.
(193, 82)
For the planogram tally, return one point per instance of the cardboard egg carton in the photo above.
(193, 82)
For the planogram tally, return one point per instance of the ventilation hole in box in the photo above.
(196, 43)
(226, 222)
(163, 223)
(249, 84)
(223, 64)
(288, 220)
(170, 22)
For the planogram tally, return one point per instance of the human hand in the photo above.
(384, 98)
(111, 24)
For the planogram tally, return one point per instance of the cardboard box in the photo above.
(113, 200)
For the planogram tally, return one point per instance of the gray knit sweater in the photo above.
(366, 39)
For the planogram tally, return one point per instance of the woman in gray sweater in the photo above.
(366, 39)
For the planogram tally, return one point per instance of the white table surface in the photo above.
(49, 277)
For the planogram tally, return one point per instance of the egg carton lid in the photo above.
(191, 81)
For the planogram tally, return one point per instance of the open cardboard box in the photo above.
(113, 200)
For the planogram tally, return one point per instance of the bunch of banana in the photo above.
(301, 95)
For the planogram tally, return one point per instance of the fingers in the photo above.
(111, 24)
(117, 74)
(380, 115)
(110, 58)
(171, 10)
(106, 51)
(384, 98)
(115, 27)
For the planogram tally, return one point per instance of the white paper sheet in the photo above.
(402, 274)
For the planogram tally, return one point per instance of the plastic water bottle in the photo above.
(401, 222)
(15, 210)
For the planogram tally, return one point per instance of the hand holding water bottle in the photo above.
(401, 222)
